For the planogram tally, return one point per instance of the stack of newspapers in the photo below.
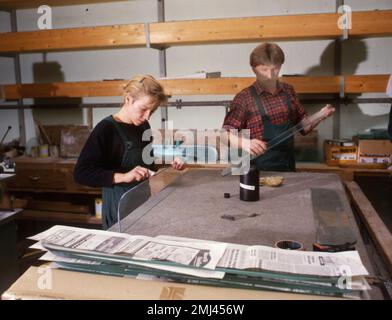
(192, 261)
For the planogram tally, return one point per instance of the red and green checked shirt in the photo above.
(244, 113)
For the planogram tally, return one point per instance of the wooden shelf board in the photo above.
(232, 30)
(101, 37)
(216, 86)
(27, 4)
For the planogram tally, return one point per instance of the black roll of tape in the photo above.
(249, 185)
(289, 245)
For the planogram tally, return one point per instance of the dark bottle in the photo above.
(249, 185)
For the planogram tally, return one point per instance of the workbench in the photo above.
(193, 204)
(190, 203)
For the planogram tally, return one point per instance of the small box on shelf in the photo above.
(340, 152)
(377, 151)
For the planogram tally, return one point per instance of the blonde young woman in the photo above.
(112, 156)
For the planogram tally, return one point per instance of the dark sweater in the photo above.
(102, 154)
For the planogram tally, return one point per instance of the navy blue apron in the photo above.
(131, 158)
(281, 157)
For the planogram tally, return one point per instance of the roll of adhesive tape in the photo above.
(289, 245)
(249, 185)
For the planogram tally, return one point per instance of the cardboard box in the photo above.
(72, 140)
(335, 155)
(374, 151)
(375, 160)
(44, 283)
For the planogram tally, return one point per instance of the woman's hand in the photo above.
(136, 174)
(178, 164)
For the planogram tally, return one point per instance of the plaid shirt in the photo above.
(244, 113)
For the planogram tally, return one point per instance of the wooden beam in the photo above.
(309, 26)
(376, 227)
(131, 35)
(234, 85)
(366, 83)
(214, 86)
(205, 86)
(289, 27)
(64, 89)
(23, 4)
(371, 23)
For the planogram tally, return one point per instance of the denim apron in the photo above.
(281, 157)
(131, 158)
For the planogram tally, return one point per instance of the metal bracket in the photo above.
(148, 38)
(344, 34)
(342, 87)
(147, 34)
(179, 104)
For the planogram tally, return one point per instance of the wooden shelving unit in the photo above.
(164, 34)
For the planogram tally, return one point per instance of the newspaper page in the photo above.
(257, 258)
(346, 263)
(49, 256)
(202, 273)
(141, 248)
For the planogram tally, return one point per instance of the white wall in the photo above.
(378, 61)
(370, 56)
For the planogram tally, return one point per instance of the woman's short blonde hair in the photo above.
(146, 85)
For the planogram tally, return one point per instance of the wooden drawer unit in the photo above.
(39, 178)
(47, 175)
(46, 191)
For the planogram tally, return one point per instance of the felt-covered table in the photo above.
(193, 205)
